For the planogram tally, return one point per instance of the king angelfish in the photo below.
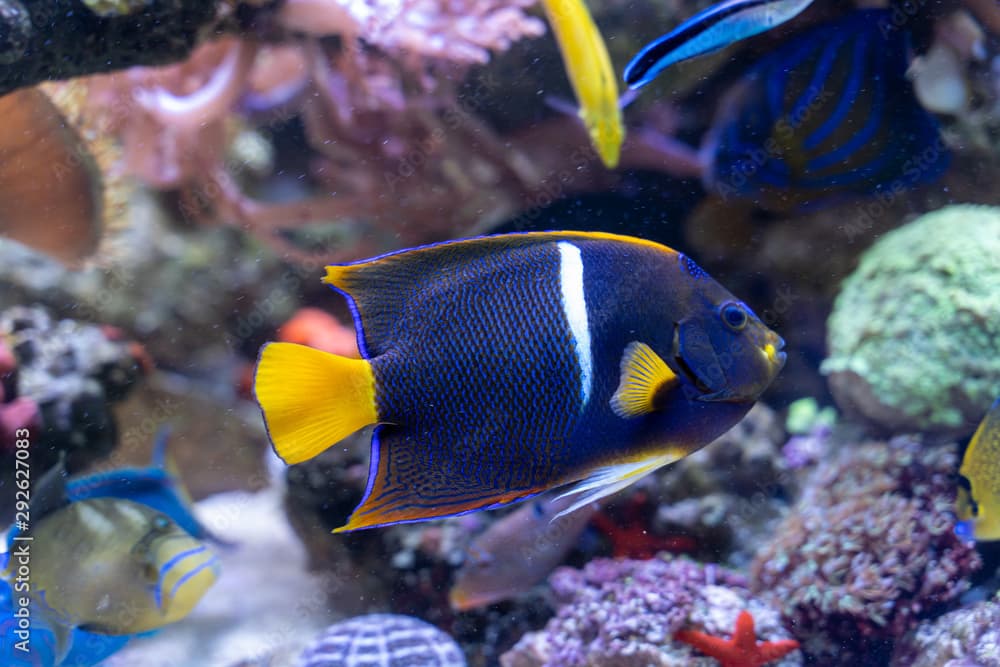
(497, 368)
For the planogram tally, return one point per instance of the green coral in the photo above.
(914, 336)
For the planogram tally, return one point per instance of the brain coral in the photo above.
(914, 338)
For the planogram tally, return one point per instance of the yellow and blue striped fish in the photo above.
(116, 567)
(496, 368)
(105, 566)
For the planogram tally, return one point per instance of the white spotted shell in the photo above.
(383, 640)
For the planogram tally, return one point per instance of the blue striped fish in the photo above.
(715, 28)
(94, 559)
(830, 114)
(499, 367)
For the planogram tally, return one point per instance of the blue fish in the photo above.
(715, 28)
(40, 648)
(499, 367)
(829, 115)
(155, 486)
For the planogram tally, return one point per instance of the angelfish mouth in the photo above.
(684, 368)
(774, 351)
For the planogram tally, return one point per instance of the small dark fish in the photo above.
(500, 367)
(715, 28)
(517, 552)
(978, 505)
(828, 115)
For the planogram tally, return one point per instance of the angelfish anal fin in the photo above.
(609, 479)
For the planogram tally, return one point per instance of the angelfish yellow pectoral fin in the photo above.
(312, 399)
(644, 378)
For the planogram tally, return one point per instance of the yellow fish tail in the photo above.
(312, 399)
(590, 72)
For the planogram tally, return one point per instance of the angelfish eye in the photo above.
(734, 316)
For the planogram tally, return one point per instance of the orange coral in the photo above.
(316, 328)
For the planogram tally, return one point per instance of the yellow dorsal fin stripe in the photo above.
(337, 273)
(312, 399)
(643, 375)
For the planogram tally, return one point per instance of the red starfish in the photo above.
(629, 536)
(740, 651)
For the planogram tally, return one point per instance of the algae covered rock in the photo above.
(914, 337)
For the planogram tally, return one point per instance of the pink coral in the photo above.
(15, 413)
(378, 107)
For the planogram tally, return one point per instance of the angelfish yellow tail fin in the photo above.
(311, 399)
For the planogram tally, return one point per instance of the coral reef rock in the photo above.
(914, 336)
(72, 372)
(868, 551)
(968, 636)
(383, 640)
(624, 613)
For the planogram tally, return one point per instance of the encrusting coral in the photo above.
(70, 373)
(374, 115)
(868, 551)
(17, 413)
(626, 613)
(962, 638)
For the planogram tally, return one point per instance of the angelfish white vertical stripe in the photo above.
(575, 307)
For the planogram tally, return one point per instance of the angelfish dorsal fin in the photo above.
(644, 376)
